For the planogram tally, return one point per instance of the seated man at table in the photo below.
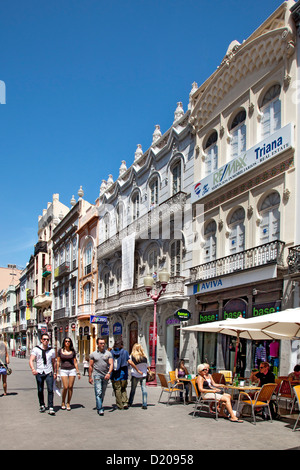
(264, 375)
(296, 374)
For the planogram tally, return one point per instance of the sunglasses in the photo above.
(46, 339)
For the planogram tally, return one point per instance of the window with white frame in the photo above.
(153, 186)
(176, 178)
(119, 216)
(270, 218)
(87, 293)
(88, 258)
(135, 206)
(118, 278)
(67, 299)
(238, 134)
(175, 258)
(237, 231)
(106, 285)
(211, 153)
(210, 242)
(153, 260)
(73, 294)
(271, 111)
(106, 222)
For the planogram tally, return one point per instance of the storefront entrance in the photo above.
(172, 344)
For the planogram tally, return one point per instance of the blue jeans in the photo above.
(40, 380)
(134, 383)
(100, 385)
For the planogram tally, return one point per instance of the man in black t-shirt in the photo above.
(264, 376)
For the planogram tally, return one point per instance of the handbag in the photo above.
(150, 376)
(4, 367)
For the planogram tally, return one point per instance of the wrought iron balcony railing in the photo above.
(293, 260)
(254, 257)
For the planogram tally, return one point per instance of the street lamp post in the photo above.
(148, 283)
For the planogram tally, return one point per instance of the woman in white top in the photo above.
(139, 359)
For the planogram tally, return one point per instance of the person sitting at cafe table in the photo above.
(264, 375)
(295, 375)
(209, 389)
(180, 372)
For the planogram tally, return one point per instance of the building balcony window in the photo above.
(43, 300)
(62, 270)
(47, 270)
(254, 257)
(293, 260)
(86, 309)
(61, 313)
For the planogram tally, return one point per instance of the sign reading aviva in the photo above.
(274, 144)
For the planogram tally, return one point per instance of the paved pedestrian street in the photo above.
(160, 427)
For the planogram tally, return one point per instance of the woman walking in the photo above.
(4, 361)
(138, 359)
(67, 362)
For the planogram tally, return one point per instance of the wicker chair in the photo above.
(297, 395)
(168, 387)
(202, 401)
(285, 391)
(261, 399)
(219, 378)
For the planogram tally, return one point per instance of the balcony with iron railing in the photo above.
(293, 261)
(144, 224)
(138, 295)
(261, 255)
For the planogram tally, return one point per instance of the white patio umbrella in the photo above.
(232, 327)
(277, 325)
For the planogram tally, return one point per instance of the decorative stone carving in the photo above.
(178, 112)
(156, 134)
(138, 152)
(123, 168)
(286, 195)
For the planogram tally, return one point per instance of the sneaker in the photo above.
(144, 407)
(51, 411)
(101, 413)
(42, 409)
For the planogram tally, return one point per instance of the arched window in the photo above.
(106, 221)
(237, 231)
(118, 274)
(88, 258)
(119, 216)
(271, 110)
(211, 153)
(175, 258)
(87, 293)
(153, 260)
(238, 134)
(270, 218)
(153, 192)
(176, 178)
(135, 206)
(210, 242)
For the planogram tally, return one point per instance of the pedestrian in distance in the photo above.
(67, 362)
(139, 359)
(120, 374)
(101, 363)
(44, 356)
(86, 365)
(4, 361)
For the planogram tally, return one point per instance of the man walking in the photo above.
(44, 355)
(102, 363)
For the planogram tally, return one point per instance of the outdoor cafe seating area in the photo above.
(247, 398)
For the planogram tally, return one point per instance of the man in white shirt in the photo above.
(44, 371)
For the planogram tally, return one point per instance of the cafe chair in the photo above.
(219, 378)
(227, 374)
(261, 399)
(168, 387)
(202, 401)
(297, 396)
(285, 391)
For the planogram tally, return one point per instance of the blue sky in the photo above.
(88, 80)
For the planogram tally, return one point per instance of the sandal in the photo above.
(63, 407)
(236, 420)
(68, 407)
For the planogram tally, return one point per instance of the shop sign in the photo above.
(104, 330)
(206, 317)
(98, 319)
(235, 308)
(278, 142)
(265, 309)
(73, 326)
(172, 321)
(183, 314)
(117, 329)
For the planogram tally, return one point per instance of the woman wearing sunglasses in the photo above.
(67, 362)
(209, 390)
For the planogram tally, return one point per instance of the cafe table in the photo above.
(188, 379)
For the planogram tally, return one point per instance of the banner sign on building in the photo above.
(98, 319)
(128, 246)
(276, 143)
